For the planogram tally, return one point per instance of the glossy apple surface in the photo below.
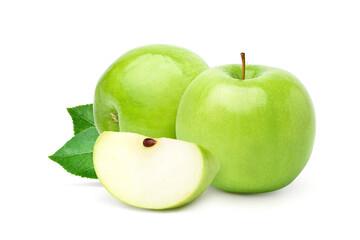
(261, 129)
(152, 173)
(140, 92)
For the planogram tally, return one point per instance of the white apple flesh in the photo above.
(151, 173)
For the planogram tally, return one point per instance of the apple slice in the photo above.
(152, 173)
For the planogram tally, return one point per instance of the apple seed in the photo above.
(149, 142)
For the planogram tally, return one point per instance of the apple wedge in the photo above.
(158, 173)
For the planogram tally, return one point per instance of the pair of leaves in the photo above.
(76, 156)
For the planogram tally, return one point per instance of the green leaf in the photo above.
(76, 156)
(82, 117)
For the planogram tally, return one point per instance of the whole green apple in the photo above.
(260, 128)
(141, 91)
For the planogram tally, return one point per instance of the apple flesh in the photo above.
(152, 173)
(261, 129)
(141, 91)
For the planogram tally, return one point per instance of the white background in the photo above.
(53, 52)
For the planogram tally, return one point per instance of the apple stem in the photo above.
(243, 65)
(149, 142)
(114, 117)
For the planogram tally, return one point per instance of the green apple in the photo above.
(141, 91)
(152, 173)
(260, 128)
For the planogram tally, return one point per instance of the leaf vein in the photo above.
(80, 116)
(73, 155)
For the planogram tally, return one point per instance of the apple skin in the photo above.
(261, 129)
(141, 91)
